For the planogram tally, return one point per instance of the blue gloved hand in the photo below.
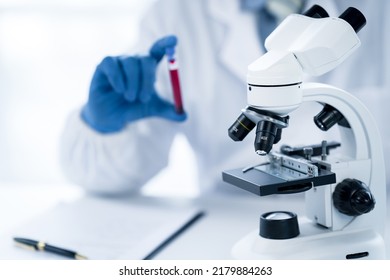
(122, 91)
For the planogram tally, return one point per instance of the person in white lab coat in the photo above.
(217, 39)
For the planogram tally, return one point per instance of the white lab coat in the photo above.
(216, 43)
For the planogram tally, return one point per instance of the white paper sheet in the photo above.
(99, 229)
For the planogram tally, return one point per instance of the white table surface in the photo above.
(228, 216)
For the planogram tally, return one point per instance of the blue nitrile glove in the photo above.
(122, 91)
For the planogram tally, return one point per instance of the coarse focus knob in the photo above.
(353, 198)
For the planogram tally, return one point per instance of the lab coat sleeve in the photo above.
(118, 162)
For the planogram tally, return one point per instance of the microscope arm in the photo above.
(360, 142)
(364, 142)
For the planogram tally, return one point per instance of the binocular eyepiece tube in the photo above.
(353, 16)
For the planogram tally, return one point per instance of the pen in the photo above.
(42, 246)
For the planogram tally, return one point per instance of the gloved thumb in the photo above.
(166, 110)
(157, 51)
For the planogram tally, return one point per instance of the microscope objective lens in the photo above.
(261, 153)
(266, 133)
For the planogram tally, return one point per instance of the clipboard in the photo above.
(103, 229)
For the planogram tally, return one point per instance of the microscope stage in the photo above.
(265, 180)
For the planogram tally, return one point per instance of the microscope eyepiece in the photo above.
(354, 17)
(266, 134)
(240, 128)
(316, 11)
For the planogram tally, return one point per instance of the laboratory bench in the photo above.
(228, 216)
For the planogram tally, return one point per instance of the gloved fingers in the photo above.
(131, 69)
(109, 74)
(148, 78)
(157, 51)
(155, 108)
(166, 110)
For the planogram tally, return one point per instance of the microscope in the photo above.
(344, 182)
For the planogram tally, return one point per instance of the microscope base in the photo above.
(313, 243)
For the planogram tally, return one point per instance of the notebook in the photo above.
(100, 228)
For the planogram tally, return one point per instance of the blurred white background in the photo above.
(48, 53)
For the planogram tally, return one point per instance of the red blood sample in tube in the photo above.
(174, 74)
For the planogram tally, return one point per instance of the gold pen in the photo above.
(42, 246)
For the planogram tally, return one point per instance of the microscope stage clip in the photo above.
(303, 166)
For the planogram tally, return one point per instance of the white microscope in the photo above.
(346, 188)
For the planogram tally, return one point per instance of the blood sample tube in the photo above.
(175, 81)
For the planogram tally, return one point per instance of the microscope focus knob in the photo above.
(353, 198)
